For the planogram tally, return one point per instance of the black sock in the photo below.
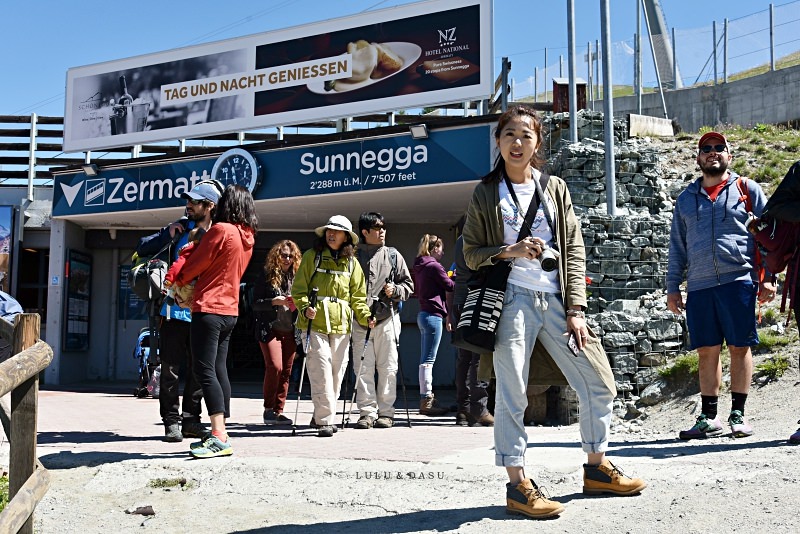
(709, 407)
(738, 400)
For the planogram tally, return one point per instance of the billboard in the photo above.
(397, 161)
(411, 56)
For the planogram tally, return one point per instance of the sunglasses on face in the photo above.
(378, 228)
(286, 256)
(194, 202)
(706, 149)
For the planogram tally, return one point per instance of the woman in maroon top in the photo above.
(218, 264)
(430, 284)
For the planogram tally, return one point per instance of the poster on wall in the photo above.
(79, 282)
(406, 57)
(6, 246)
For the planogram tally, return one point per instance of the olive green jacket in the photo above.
(483, 241)
(342, 289)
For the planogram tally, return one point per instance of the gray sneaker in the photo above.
(172, 433)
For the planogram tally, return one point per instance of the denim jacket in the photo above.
(708, 240)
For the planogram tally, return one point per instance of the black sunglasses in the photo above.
(378, 227)
(194, 202)
(706, 149)
(287, 256)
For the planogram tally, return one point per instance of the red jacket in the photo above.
(218, 262)
(177, 265)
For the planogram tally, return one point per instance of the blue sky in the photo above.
(41, 39)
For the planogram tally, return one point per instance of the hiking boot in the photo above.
(607, 478)
(795, 438)
(212, 447)
(191, 429)
(384, 422)
(703, 428)
(281, 419)
(526, 498)
(739, 427)
(326, 431)
(270, 417)
(365, 422)
(462, 419)
(430, 406)
(172, 433)
(484, 420)
(313, 424)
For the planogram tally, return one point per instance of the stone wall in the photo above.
(626, 255)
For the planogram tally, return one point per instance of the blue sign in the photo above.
(447, 156)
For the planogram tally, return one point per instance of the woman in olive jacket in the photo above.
(330, 266)
(543, 311)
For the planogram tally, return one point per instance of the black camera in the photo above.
(549, 259)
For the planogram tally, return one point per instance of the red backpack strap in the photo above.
(741, 184)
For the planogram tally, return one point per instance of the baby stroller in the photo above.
(149, 366)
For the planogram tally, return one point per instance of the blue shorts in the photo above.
(724, 312)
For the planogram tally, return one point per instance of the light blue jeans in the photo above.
(430, 330)
(528, 315)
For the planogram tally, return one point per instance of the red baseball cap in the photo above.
(711, 135)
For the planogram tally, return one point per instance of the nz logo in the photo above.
(447, 37)
(95, 192)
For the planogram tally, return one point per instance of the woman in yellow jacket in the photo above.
(330, 266)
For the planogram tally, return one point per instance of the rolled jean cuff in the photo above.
(595, 447)
(509, 461)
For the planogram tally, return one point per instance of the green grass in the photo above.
(773, 368)
(683, 366)
(769, 340)
(166, 483)
(3, 492)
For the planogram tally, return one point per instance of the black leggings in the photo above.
(210, 336)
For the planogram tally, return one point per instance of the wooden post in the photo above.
(22, 454)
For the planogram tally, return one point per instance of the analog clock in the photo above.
(237, 167)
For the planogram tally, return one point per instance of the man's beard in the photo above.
(194, 216)
(715, 171)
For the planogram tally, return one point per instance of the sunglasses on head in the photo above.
(705, 149)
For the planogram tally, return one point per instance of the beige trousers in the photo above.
(381, 355)
(326, 363)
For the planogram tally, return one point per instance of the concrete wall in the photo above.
(770, 98)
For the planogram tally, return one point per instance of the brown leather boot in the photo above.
(607, 478)
(485, 420)
(527, 499)
(430, 406)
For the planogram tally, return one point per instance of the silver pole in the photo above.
(535, 84)
(181, 145)
(545, 74)
(560, 65)
(725, 52)
(597, 67)
(32, 157)
(638, 56)
(771, 37)
(590, 94)
(608, 109)
(504, 90)
(675, 82)
(573, 92)
(714, 36)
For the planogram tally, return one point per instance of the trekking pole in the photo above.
(358, 375)
(312, 302)
(400, 366)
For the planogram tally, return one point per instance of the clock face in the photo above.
(237, 167)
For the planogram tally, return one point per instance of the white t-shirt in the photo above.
(527, 273)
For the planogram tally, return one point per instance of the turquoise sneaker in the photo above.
(213, 447)
(739, 427)
(703, 428)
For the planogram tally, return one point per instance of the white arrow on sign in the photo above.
(71, 191)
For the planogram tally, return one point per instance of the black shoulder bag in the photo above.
(476, 328)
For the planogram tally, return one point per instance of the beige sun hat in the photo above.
(338, 222)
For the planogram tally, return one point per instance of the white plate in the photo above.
(408, 52)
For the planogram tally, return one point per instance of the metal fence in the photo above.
(741, 47)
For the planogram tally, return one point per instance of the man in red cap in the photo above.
(709, 242)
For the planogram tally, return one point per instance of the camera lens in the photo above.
(548, 260)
